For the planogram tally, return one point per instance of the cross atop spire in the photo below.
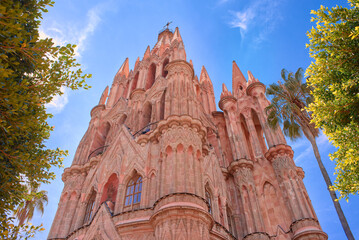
(167, 24)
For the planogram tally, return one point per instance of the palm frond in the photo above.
(288, 101)
(36, 200)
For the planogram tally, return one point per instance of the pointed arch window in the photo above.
(89, 208)
(164, 72)
(133, 192)
(209, 200)
(231, 222)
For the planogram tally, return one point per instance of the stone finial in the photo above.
(137, 62)
(251, 78)
(204, 77)
(103, 96)
(238, 79)
(190, 62)
(147, 53)
(225, 91)
(124, 69)
(177, 36)
(196, 78)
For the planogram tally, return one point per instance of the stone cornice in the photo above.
(255, 85)
(97, 109)
(217, 114)
(137, 91)
(280, 149)
(171, 121)
(240, 163)
(172, 66)
(79, 169)
(225, 100)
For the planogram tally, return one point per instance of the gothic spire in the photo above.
(238, 79)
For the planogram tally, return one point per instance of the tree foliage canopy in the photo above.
(32, 72)
(334, 76)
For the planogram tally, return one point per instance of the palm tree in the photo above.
(289, 101)
(25, 210)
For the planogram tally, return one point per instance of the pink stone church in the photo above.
(158, 161)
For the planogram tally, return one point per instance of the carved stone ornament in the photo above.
(280, 149)
(282, 163)
(181, 135)
(137, 94)
(226, 102)
(253, 86)
(179, 66)
(242, 170)
(96, 111)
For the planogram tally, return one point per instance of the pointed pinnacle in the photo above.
(204, 77)
(190, 62)
(137, 61)
(224, 88)
(124, 69)
(177, 36)
(103, 96)
(147, 53)
(251, 78)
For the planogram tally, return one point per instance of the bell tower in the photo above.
(158, 161)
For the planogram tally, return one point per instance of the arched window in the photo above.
(151, 75)
(110, 191)
(134, 82)
(209, 200)
(133, 192)
(90, 207)
(99, 141)
(231, 223)
(162, 106)
(146, 115)
(260, 133)
(247, 136)
(164, 72)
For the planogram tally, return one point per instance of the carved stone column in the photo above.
(181, 212)
(236, 137)
(180, 96)
(253, 134)
(242, 171)
(304, 224)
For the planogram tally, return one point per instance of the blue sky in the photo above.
(262, 36)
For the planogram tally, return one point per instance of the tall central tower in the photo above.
(159, 162)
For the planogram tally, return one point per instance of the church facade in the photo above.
(159, 162)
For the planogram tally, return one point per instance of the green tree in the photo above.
(289, 100)
(32, 71)
(25, 210)
(334, 76)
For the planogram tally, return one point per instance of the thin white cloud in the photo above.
(243, 18)
(72, 33)
(58, 102)
(94, 19)
(261, 17)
